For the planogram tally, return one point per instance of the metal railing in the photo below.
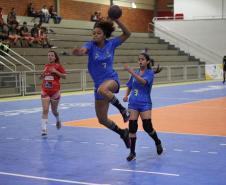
(22, 61)
(21, 83)
(10, 60)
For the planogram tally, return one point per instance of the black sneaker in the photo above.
(125, 138)
(58, 124)
(131, 157)
(159, 149)
(44, 132)
(125, 115)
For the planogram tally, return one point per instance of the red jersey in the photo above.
(51, 81)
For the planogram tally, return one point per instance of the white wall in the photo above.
(204, 39)
(141, 4)
(201, 33)
(193, 9)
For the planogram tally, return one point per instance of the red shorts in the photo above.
(55, 95)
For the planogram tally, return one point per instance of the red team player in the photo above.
(50, 93)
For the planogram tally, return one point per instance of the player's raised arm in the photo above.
(126, 33)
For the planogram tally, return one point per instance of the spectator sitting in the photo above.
(53, 14)
(44, 38)
(1, 14)
(94, 17)
(99, 16)
(44, 16)
(11, 18)
(26, 38)
(31, 12)
(35, 34)
(4, 31)
(14, 36)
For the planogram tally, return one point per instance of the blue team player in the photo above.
(100, 65)
(140, 104)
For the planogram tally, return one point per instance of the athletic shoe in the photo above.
(131, 157)
(125, 115)
(44, 132)
(125, 138)
(159, 148)
(58, 124)
(44, 129)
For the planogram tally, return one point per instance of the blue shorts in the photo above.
(140, 107)
(98, 96)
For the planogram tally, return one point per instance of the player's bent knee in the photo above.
(102, 121)
(133, 126)
(147, 125)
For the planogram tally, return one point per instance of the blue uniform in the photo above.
(140, 95)
(101, 61)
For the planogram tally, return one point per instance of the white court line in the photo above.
(212, 152)
(223, 144)
(178, 150)
(194, 151)
(140, 171)
(49, 179)
(99, 143)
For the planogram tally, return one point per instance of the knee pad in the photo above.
(147, 125)
(133, 126)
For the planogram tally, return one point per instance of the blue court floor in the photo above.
(95, 156)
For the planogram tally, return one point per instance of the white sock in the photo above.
(44, 124)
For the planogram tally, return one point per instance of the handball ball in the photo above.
(114, 12)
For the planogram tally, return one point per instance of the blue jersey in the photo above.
(101, 60)
(140, 95)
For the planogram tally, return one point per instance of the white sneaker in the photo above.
(44, 129)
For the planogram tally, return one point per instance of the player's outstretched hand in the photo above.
(125, 99)
(79, 51)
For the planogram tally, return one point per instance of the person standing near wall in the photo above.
(224, 68)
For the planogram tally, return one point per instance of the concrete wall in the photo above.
(196, 9)
(204, 39)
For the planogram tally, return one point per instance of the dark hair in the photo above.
(147, 58)
(56, 56)
(151, 63)
(106, 26)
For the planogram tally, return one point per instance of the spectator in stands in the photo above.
(94, 17)
(138, 89)
(35, 34)
(31, 12)
(26, 38)
(1, 14)
(44, 38)
(99, 16)
(53, 14)
(44, 15)
(100, 53)
(14, 36)
(50, 93)
(4, 31)
(11, 18)
(224, 68)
